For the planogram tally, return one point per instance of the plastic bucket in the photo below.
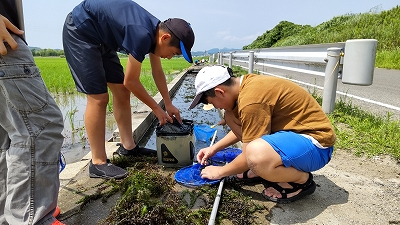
(175, 144)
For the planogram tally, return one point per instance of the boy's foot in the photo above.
(289, 192)
(137, 151)
(247, 177)
(106, 171)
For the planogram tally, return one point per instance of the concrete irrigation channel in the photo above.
(351, 190)
(75, 183)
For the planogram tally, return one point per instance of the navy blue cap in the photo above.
(184, 32)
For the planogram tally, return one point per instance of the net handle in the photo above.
(213, 138)
(218, 197)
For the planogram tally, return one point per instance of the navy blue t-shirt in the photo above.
(122, 25)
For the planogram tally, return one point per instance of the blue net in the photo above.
(190, 175)
(203, 132)
(225, 156)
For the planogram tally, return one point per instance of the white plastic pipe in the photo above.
(216, 203)
(218, 197)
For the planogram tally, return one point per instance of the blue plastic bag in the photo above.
(203, 132)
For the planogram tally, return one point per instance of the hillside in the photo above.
(383, 26)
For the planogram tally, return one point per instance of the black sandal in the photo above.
(306, 189)
(245, 179)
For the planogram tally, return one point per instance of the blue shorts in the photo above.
(298, 151)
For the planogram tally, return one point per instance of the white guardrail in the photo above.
(353, 61)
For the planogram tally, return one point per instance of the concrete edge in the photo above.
(141, 121)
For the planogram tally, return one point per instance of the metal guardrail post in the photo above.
(230, 59)
(220, 62)
(251, 61)
(331, 78)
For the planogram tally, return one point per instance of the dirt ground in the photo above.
(350, 190)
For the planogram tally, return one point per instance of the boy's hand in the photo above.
(162, 116)
(204, 154)
(5, 35)
(211, 172)
(173, 112)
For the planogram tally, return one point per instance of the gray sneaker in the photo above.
(106, 171)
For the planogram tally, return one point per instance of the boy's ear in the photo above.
(166, 36)
(219, 90)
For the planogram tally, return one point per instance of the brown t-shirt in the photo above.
(269, 104)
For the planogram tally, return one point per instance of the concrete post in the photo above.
(251, 61)
(331, 77)
(230, 59)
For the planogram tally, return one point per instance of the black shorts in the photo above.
(92, 65)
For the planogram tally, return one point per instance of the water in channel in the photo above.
(182, 100)
(76, 145)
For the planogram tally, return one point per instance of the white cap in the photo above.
(207, 78)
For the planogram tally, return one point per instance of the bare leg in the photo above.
(122, 114)
(264, 161)
(95, 123)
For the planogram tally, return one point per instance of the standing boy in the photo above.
(30, 130)
(285, 133)
(93, 34)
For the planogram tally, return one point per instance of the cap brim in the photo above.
(196, 101)
(186, 52)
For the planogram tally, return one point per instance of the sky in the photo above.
(216, 23)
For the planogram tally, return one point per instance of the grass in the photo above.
(148, 196)
(56, 74)
(383, 26)
(363, 133)
(58, 78)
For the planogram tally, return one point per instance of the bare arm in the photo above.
(161, 83)
(132, 83)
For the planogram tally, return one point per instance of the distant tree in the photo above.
(47, 52)
(270, 37)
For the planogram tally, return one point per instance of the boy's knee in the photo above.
(255, 152)
(259, 152)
